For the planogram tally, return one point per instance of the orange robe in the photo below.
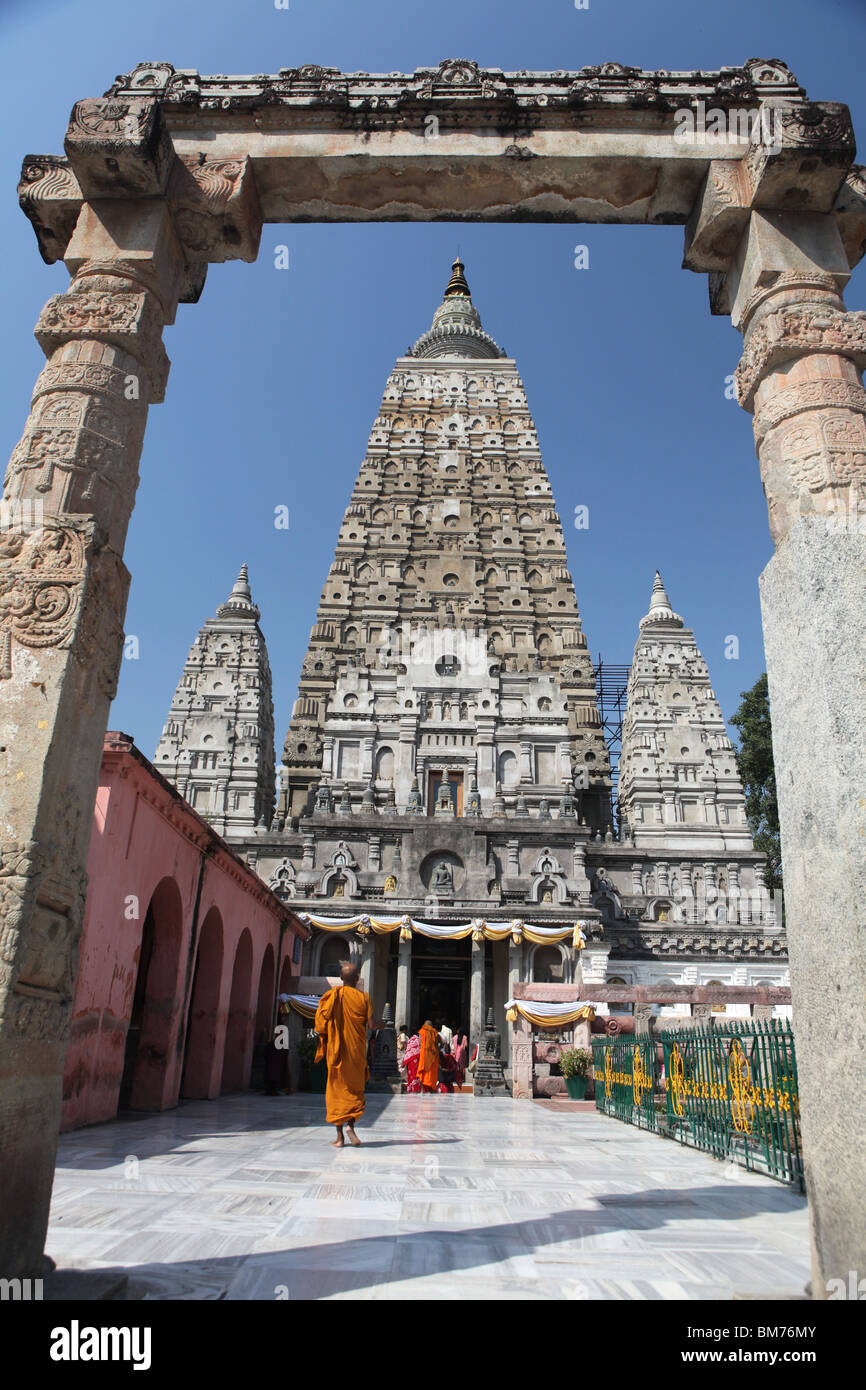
(341, 1022)
(428, 1063)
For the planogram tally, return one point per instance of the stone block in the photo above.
(119, 148)
(720, 215)
(799, 155)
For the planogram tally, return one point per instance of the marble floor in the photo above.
(450, 1197)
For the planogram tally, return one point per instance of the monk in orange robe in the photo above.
(342, 1019)
(428, 1062)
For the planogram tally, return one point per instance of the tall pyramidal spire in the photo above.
(678, 779)
(217, 746)
(447, 645)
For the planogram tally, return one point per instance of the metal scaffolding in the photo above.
(611, 688)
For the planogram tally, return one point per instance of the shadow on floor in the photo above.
(322, 1270)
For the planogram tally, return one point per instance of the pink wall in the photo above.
(163, 883)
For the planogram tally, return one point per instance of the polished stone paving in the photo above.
(450, 1197)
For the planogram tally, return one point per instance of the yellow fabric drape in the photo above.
(568, 1015)
(477, 928)
(547, 938)
(305, 1010)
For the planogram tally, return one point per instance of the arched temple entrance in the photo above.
(775, 216)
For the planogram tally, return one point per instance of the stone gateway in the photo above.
(171, 171)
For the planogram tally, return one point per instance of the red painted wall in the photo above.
(167, 894)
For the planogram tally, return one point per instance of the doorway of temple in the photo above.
(441, 999)
(440, 982)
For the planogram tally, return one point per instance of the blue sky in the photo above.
(277, 375)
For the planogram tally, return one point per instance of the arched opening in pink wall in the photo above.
(155, 1002)
(286, 974)
(238, 1049)
(265, 1007)
(201, 1037)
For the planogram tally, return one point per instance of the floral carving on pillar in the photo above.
(800, 375)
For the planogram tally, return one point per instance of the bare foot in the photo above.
(337, 1144)
(354, 1140)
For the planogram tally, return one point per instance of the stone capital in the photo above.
(119, 147)
(133, 239)
(793, 250)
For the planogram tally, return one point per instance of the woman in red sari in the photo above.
(460, 1053)
(411, 1058)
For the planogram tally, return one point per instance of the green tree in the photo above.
(758, 775)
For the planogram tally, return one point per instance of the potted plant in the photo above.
(575, 1064)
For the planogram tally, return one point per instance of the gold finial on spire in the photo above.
(457, 284)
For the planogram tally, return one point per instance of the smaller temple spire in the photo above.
(660, 610)
(457, 284)
(240, 601)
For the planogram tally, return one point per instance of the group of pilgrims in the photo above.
(434, 1058)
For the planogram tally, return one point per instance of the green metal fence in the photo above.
(730, 1090)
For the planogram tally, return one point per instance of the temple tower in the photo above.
(217, 746)
(678, 785)
(447, 648)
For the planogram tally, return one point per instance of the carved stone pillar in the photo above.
(476, 995)
(404, 984)
(136, 227)
(515, 965)
(64, 589)
(367, 947)
(526, 769)
(800, 376)
(521, 1060)
(643, 1014)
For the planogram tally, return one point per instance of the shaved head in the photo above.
(349, 975)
